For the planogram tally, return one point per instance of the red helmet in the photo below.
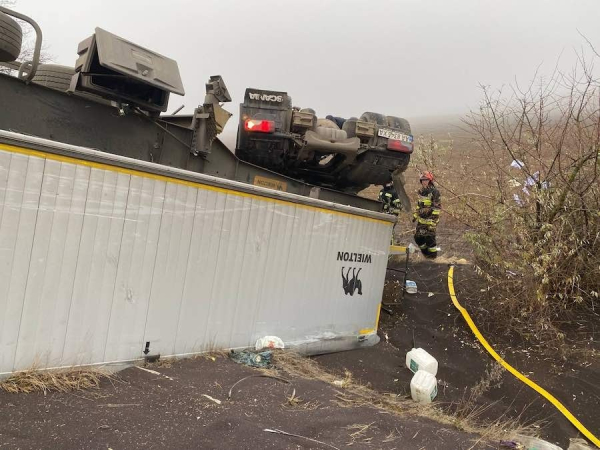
(426, 176)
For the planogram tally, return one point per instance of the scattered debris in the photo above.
(119, 405)
(154, 372)
(360, 434)
(252, 359)
(285, 433)
(212, 399)
(578, 444)
(411, 287)
(521, 442)
(431, 294)
(345, 382)
(511, 444)
(262, 375)
(269, 342)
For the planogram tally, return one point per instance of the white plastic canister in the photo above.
(423, 387)
(419, 359)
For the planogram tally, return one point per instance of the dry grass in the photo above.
(296, 402)
(162, 363)
(359, 433)
(490, 380)
(64, 380)
(355, 394)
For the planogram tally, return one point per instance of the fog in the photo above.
(405, 57)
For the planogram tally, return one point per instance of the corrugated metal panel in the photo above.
(95, 261)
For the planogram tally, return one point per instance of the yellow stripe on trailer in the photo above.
(397, 250)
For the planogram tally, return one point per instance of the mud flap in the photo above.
(398, 180)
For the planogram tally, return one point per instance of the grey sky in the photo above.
(398, 57)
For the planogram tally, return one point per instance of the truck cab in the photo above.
(346, 154)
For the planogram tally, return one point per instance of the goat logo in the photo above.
(353, 284)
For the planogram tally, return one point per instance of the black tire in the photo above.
(54, 76)
(399, 123)
(59, 78)
(379, 119)
(11, 38)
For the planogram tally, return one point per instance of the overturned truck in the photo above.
(347, 155)
(127, 233)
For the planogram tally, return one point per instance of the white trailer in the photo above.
(105, 258)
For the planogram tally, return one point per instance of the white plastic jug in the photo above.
(419, 359)
(423, 387)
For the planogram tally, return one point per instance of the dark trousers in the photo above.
(427, 244)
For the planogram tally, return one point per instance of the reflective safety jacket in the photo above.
(427, 213)
(390, 200)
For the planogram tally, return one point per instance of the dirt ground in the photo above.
(429, 320)
(141, 410)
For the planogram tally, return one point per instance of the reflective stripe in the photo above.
(435, 212)
(424, 200)
(426, 221)
(432, 250)
(424, 246)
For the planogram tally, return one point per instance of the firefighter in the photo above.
(391, 203)
(390, 200)
(427, 215)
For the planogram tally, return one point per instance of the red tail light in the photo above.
(399, 146)
(259, 126)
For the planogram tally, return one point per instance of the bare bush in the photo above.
(536, 235)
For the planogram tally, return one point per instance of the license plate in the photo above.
(393, 134)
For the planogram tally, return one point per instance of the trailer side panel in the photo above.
(99, 262)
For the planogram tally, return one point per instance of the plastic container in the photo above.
(411, 287)
(419, 359)
(423, 387)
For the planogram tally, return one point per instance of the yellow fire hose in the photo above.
(514, 371)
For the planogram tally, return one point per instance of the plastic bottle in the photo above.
(411, 287)
(423, 387)
(419, 359)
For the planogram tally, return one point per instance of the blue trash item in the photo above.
(411, 287)
(252, 359)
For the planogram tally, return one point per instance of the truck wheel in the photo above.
(11, 38)
(379, 119)
(399, 123)
(54, 76)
